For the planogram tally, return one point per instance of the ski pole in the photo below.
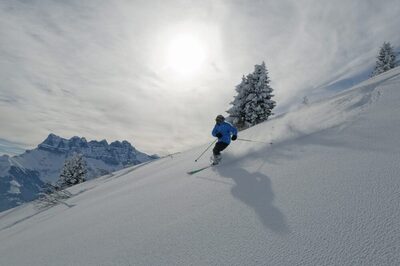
(205, 150)
(249, 140)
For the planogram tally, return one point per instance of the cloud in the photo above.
(307, 43)
(10, 148)
(95, 68)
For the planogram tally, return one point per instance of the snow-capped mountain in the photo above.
(101, 157)
(17, 184)
(326, 192)
(21, 176)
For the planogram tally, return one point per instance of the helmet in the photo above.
(220, 119)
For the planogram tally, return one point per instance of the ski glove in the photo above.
(234, 137)
(218, 135)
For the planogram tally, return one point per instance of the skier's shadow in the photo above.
(254, 189)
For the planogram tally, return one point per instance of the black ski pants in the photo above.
(219, 146)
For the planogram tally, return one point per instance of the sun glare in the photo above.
(185, 55)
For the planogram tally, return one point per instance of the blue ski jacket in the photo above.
(226, 129)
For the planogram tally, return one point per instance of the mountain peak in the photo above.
(114, 153)
(61, 145)
(123, 144)
(58, 144)
(51, 139)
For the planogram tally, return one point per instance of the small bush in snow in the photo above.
(51, 195)
(305, 100)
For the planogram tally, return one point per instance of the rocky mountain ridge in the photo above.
(22, 176)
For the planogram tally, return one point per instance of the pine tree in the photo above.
(386, 59)
(74, 171)
(253, 103)
(236, 112)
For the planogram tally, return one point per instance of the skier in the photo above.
(225, 132)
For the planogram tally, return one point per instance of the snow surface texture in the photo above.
(326, 192)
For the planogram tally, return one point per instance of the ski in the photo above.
(200, 169)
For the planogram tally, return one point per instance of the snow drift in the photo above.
(326, 192)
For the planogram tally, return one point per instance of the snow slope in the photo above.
(326, 192)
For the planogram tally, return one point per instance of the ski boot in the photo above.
(216, 159)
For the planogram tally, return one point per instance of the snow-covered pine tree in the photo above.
(386, 59)
(74, 171)
(253, 103)
(236, 112)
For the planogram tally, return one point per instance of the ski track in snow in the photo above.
(327, 192)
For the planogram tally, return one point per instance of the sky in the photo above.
(156, 73)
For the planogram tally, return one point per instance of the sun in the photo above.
(186, 54)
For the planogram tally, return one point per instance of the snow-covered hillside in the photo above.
(326, 192)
